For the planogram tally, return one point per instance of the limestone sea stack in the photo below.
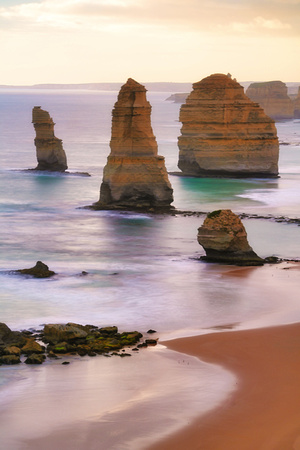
(49, 150)
(273, 97)
(297, 105)
(224, 240)
(224, 133)
(135, 176)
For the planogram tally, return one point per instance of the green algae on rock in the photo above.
(66, 339)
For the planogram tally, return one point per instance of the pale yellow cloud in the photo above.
(183, 14)
(150, 40)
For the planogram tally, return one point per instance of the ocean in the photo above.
(143, 271)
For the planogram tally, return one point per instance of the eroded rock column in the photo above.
(135, 175)
(49, 150)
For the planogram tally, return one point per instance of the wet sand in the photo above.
(144, 404)
(264, 411)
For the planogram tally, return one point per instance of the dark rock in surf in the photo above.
(40, 270)
(35, 358)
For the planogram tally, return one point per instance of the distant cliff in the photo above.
(273, 98)
(297, 105)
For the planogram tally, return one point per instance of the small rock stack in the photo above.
(224, 240)
(49, 150)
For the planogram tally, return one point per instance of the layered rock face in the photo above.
(135, 175)
(273, 98)
(224, 239)
(297, 105)
(49, 150)
(224, 133)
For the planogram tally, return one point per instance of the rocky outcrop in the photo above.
(297, 105)
(224, 133)
(135, 176)
(70, 338)
(49, 150)
(40, 270)
(224, 239)
(273, 97)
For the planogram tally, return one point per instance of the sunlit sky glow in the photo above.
(82, 41)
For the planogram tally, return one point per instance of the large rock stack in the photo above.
(224, 133)
(297, 105)
(273, 98)
(49, 150)
(224, 240)
(135, 176)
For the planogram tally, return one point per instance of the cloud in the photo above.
(259, 24)
(185, 15)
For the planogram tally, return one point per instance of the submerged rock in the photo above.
(273, 98)
(135, 176)
(224, 239)
(224, 133)
(49, 150)
(40, 270)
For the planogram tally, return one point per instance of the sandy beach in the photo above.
(246, 381)
(264, 412)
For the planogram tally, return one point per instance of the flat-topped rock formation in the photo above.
(297, 105)
(49, 150)
(224, 239)
(224, 133)
(273, 97)
(135, 176)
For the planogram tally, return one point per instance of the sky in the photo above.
(90, 41)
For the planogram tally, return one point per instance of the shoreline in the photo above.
(263, 413)
(135, 402)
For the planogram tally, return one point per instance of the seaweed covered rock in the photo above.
(31, 347)
(66, 339)
(35, 358)
(49, 150)
(224, 239)
(135, 176)
(40, 270)
(7, 336)
(86, 339)
(9, 360)
(54, 333)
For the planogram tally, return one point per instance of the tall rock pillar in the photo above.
(49, 150)
(135, 175)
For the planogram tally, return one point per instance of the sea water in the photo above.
(143, 271)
